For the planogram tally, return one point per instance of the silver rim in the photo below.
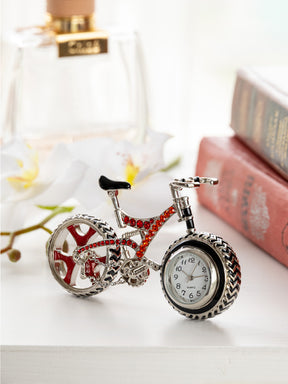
(69, 269)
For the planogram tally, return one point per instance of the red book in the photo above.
(250, 196)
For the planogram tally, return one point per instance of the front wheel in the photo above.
(84, 255)
(200, 275)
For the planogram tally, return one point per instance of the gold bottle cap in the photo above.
(70, 16)
(68, 8)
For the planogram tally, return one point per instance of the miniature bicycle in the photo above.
(200, 273)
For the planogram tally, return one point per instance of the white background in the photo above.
(192, 51)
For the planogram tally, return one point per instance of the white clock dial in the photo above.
(191, 277)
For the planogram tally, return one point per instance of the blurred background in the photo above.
(192, 50)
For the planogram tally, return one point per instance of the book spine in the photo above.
(261, 122)
(247, 197)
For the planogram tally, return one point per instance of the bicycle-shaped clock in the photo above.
(200, 273)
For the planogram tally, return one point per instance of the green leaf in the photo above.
(66, 209)
(54, 207)
(48, 207)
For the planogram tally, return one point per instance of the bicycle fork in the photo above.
(183, 208)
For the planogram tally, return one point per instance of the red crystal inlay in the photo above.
(139, 224)
(123, 242)
(146, 241)
(126, 219)
(129, 242)
(134, 245)
(132, 222)
(146, 225)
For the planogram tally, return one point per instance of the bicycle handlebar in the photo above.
(193, 182)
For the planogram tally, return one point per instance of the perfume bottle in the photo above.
(71, 80)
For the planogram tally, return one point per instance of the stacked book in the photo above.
(252, 165)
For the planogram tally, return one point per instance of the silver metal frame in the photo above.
(134, 270)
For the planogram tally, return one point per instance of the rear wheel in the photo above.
(83, 255)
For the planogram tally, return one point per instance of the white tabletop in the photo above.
(127, 332)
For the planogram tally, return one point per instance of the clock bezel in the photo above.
(213, 283)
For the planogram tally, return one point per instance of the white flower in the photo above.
(73, 170)
(120, 160)
(23, 179)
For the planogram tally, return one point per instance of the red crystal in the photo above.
(134, 245)
(146, 225)
(171, 210)
(139, 224)
(132, 222)
(129, 242)
(126, 219)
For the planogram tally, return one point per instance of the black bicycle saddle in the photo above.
(107, 184)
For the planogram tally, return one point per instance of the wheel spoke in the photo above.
(74, 260)
(70, 264)
(80, 239)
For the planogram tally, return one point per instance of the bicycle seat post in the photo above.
(113, 193)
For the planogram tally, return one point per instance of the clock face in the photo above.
(190, 277)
